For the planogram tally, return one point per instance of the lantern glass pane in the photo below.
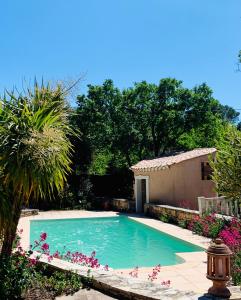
(220, 269)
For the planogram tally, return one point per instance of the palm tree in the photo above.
(34, 152)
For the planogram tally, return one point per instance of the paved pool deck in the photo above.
(187, 276)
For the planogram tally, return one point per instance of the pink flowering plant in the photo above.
(22, 269)
(228, 230)
(208, 225)
(134, 272)
(153, 276)
(19, 270)
(231, 235)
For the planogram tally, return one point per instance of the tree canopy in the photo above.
(227, 166)
(148, 120)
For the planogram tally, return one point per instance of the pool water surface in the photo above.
(118, 241)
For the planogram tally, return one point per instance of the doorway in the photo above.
(141, 192)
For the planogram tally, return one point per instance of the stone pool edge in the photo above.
(123, 287)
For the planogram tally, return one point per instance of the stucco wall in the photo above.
(180, 184)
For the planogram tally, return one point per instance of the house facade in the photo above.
(176, 180)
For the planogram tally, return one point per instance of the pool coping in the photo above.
(189, 275)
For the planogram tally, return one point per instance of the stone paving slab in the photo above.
(86, 295)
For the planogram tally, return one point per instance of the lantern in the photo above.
(218, 268)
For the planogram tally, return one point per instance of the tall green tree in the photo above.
(34, 152)
(227, 165)
(149, 120)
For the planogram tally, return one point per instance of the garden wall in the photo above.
(29, 212)
(177, 213)
(123, 205)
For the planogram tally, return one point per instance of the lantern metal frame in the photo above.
(219, 268)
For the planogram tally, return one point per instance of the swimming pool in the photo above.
(118, 241)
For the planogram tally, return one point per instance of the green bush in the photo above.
(58, 282)
(182, 223)
(207, 225)
(236, 269)
(216, 227)
(164, 218)
(16, 275)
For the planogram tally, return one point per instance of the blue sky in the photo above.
(126, 40)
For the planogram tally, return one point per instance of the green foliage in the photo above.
(148, 120)
(57, 283)
(34, 148)
(207, 225)
(227, 166)
(100, 163)
(216, 227)
(34, 151)
(183, 223)
(236, 272)
(16, 275)
(164, 218)
(206, 135)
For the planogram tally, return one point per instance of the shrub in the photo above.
(228, 231)
(236, 268)
(183, 223)
(207, 225)
(57, 283)
(164, 218)
(22, 271)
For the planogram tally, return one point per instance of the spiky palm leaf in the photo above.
(34, 146)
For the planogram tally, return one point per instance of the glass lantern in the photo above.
(218, 268)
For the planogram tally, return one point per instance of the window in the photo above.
(206, 171)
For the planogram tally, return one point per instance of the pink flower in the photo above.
(56, 254)
(134, 272)
(50, 258)
(33, 261)
(45, 247)
(154, 274)
(166, 283)
(43, 236)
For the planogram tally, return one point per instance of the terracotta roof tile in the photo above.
(165, 162)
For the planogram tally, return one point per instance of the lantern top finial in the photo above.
(218, 247)
(218, 241)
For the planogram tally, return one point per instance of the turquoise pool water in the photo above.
(118, 241)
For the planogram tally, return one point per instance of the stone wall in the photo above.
(176, 213)
(123, 205)
(29, 212)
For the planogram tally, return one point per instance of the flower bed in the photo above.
(213, 226)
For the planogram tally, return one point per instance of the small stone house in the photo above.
(176, 180)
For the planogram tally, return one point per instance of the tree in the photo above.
(148, 120)
(34, 152)
(227, 166)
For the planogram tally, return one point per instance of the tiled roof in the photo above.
(164, 162)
